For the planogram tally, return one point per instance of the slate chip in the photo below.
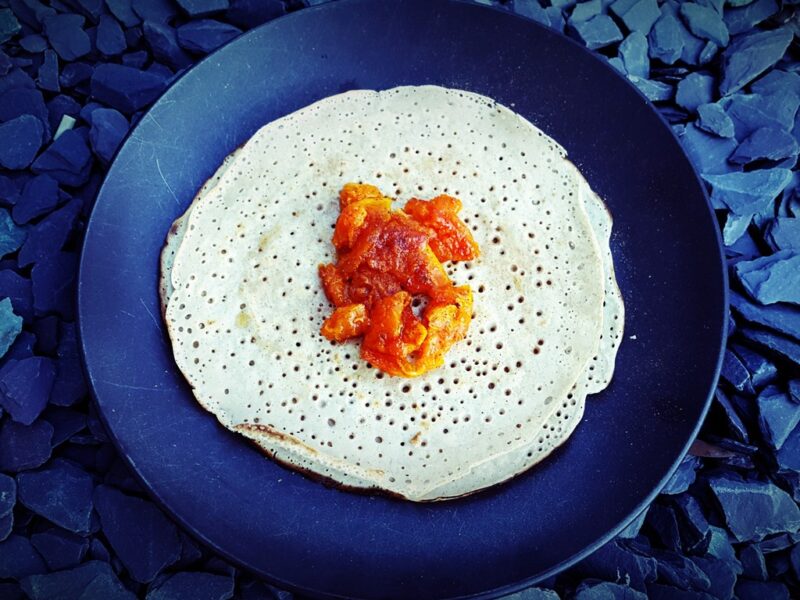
(8, 494)
(754, 566)
(794, 560)
(618, 559)
(33, 43)
(657, 591)
(32, 12)
(662, 526)
(39, 196)
(137, 59)
(9, 26)
(554, 16)
(777, 543)
(760, 590)
(777, 81)
(720, 547)
(98, 550)
(202, 8)
(133, 36)
(633, 52)
(778, 416)
(123, 10)
(750, 112)
(65, 421)
(192, 586)
(110, 37)
(708, 152)
(774, 344)
(708, 52)
(694, 90)
(205, 35)
(584, 11)
(61, 492)
(24, 447)
(68, 159)
(605, 590)
(12, 236)
(734, 372)
(74, 74)
(721, 575)
(58, 107)
(251, 13)
(142, 537)
(24, 102)
(637, 15)
(120, 477)
(632, 529)
(47, 78)
(732, 420)
(20, 140)
(766, 143)
(695, 529)
(18, 558)
(762, 371)
(532, 10)
(655, 91)
(157, 11)
(25, 387)
(794, 390)
(750, 55)
(46, 330)
(48, 236)
(54, 284)
(783, 233)
(773, 278)
(109, 127)
(754, 509)
(747, 193)
(67, 37)
(597, 32)
(21, 348)
(70, 385)
(713, 119)
(72, 584)
(256, 589)
(691, 45)
(60, 549)
(106, 586)
(705, 23)
(67, 123)
(163, 42)
(5, 63)
(683, 477)
(10, 326)
(125, 88)
(744, 18)
(666, 41)
(190, 551)
(679, 571)
(735, 229)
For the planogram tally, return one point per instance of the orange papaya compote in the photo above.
(385, 260)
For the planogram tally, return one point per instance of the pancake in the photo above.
(253, 237)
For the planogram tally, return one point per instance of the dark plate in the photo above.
(307, 537)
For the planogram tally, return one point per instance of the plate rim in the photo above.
(190, 530)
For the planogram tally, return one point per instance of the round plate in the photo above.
(310, 538)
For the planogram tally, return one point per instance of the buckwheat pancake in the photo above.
(243, 303)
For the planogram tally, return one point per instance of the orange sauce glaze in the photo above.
(387, 260)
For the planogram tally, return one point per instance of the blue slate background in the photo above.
(75, 75)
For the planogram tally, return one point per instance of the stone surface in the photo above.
(143, 538)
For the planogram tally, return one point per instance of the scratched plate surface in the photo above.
(301, 534)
